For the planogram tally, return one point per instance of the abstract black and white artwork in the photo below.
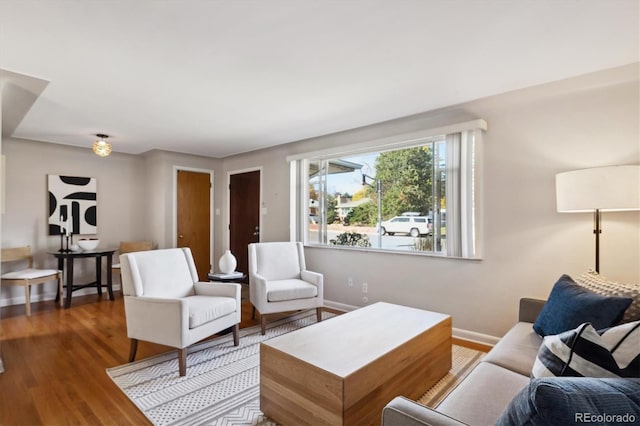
(73, 205)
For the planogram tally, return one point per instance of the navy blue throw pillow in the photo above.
(570, 305)
(574, 401)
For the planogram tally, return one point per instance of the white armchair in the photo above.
(165, 304)
(279, 280)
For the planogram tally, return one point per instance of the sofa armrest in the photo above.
(405, 412)
(529, 309)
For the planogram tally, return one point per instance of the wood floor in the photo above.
(55, 363)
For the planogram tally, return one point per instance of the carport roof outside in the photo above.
(335, 167)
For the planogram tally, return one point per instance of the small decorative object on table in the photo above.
(62, 249)
(65, 233)
(88, 244)
(227, 262)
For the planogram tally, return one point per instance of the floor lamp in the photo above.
(597, 190)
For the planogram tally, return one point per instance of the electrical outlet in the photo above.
(350, 282)
(365, 287)
(365, 299)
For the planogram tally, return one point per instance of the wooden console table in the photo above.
(67, 268)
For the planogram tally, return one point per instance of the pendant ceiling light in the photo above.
(101, 147)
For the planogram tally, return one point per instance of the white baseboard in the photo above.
(458, 333)
(339, 306)
(20, 300)
(475, 337)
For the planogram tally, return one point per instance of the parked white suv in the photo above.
(405, 224)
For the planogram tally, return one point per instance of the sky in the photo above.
(352, 182)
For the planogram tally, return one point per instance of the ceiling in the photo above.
(223, 77)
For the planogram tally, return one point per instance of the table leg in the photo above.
(99, 274)
(60, 268)
(69, 270)
(110, 275)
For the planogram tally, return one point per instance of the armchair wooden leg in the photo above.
(236, 335)
(319, 314)
(133, 350)
(253, 312)
(263, 323)
(182, 361)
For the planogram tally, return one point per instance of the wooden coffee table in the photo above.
(344, 370)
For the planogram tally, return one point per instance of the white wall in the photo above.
(160, 169)
(135, 201)
(532, 134)
(121, 198)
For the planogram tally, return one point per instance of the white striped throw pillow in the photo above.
(586, 352)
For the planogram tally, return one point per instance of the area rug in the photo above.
(222, 382)
(463, 361)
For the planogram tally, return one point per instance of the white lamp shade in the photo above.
(614, 188)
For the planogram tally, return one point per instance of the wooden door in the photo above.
(244, 210)
(194, 217)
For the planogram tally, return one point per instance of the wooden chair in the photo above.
(131, 247)
(30, 276)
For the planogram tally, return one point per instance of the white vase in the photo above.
(227, 262)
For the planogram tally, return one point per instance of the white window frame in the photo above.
(471, 224)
